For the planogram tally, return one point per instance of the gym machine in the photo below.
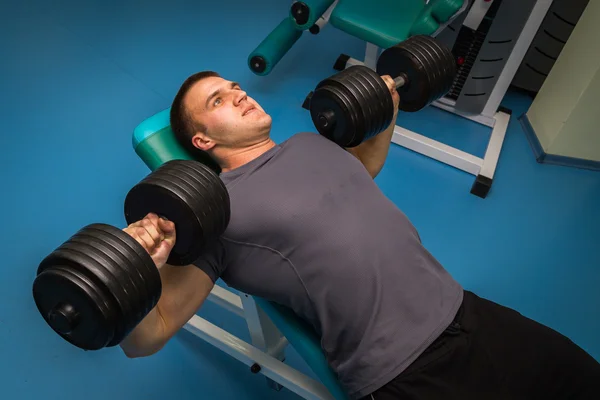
(488, 39)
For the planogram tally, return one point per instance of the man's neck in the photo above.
(239, 157)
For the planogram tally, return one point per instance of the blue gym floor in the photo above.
(76, 77)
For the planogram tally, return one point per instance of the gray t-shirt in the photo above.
(311, 230)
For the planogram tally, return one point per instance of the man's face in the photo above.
(229, 117)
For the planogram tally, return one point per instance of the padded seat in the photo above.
(386, 23)
(155, 143)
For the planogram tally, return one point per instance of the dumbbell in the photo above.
(98, 285)
(355, 104)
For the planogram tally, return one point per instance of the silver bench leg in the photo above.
(264, 334)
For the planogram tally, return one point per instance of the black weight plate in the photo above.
(177, 205)
(345, 83)
(383, 105)
(374, 108)
(108, 259)
(98, 264)
(329, 98)
(395, 61)
(201, 209)
(202, 189)
(199, 186)
(219, 190)
(443, 54)
(370, 100)
(72, 257)
(361, 101)
(323, 100)
(347, 86)
(135, 253)
(449, 64)
(386, 104)
(355, 134)
(366, 105)
(127, 260)
(86, 268)
(337, 77)
(423, 58)
(214, 186)
(93, 319)
(217, 213)
(356, 122)
(439, 61)
(339, 80)
(163, 196)
(128, 275)
(356, 115)
(434, 66)
(449, 60)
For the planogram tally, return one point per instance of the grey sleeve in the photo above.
(213, 260)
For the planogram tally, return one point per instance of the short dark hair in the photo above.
(182, 123)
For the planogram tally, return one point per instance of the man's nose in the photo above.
(239, 96)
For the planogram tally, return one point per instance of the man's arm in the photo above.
(184, 290)
(373, 152)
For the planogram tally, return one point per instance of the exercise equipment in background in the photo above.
(395, 21)
(355, 104)
(548, 43)
(272, 49)
(310, 15)
(488, 39)
(271, 326)
(96, 287)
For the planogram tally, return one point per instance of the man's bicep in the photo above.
(186, 288)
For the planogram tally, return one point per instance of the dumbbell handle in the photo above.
(400, 81)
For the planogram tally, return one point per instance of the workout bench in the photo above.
(271, 326)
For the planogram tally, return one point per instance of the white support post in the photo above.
(371, 56)
(265, 335)
(324, 19)
(353, 61)
(492, 153)
(262, 362)
(437, 150)
(477, 13)
(449, 104)
(516, 56)
(226, 299)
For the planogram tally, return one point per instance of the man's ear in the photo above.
(203, 142)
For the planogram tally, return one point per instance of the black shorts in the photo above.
(492, 352)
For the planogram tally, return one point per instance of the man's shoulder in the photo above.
(307, 135)
(308, 139)
(302, 136)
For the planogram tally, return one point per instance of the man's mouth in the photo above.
(248, 111)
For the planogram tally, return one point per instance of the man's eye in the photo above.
(217, 102)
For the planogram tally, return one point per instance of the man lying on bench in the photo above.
(311, 230)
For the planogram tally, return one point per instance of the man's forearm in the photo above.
(373, 152)
(147, 337)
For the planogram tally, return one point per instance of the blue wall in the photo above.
(76, 77)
